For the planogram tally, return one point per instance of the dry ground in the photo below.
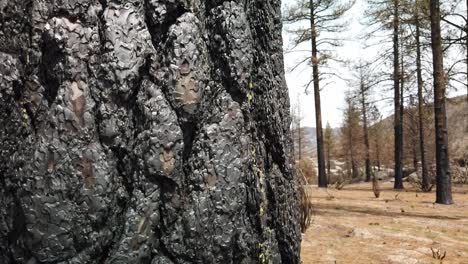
(351, 226)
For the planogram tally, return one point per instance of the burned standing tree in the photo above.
(443, 177)
(363, 95)
(328, 147)
(398, 122)
(418, 9)
(378, 14)
(350, 134)
(323, 17)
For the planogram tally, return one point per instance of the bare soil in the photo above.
(352, 226)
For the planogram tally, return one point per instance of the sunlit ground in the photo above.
(351, 226)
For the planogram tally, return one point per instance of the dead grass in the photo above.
(398, 227)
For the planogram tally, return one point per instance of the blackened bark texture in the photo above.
(443, 177)
(426, 182)
(398, 127)
(322, 177)
(151, 131)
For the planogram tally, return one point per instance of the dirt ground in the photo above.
(352, 226)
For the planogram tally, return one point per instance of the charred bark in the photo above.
(398, 125)
(145, 131)
(443, 177)
(366, 131)
(422, 149)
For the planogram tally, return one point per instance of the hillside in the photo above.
(309, 141)
(457, 119)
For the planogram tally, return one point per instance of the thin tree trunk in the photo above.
(322, 177)
(378, 156)
(425, 177)
(299, 137)
(366, 132)
(402, 105)
(353, 167)
(348, 167)
(414, 151)
(328, 161)
(443, 177)
(293, 133)
(397, 116)
(354, 173)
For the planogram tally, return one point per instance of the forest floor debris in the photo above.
(356, 227)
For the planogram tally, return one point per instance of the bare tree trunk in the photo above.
(397, 116)
(414, 152)
(348, 165)
(443, 177)
(322, 177)
(354, 173)
(425, 177)
(377, 150)
(353, 166)
(293, 133)
(402, 104)
(366, 132)
(299, 138)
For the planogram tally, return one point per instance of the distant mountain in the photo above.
(457, 118)
(457, 126)
(309, 141)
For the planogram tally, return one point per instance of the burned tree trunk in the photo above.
(398, 127)
(145, 132)
(365, 130)
(426, 182)
(443, 177)
(322, 177)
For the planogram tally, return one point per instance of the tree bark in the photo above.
(328, 162)
(299, 138)
(145, 132)
(414, 152)
(378, 156)
(443, 177)
(322, 177)
(398, 155)
(426, 182)
(354, 172)
(366, 131)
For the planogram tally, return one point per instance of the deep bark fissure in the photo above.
(169, 163)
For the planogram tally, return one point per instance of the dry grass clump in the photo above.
(306, 197)
(376, 186)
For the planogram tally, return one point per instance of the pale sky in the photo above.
(332, 96)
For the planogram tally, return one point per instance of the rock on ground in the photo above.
(145, 131)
